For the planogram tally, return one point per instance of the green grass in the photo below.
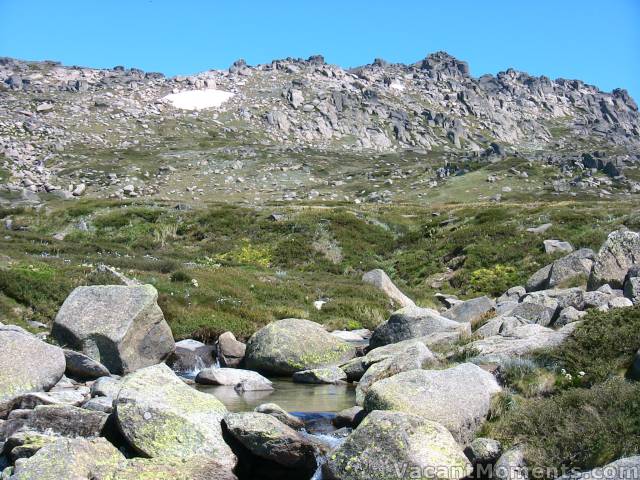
(602, 346)
(251, 270)
(578, 428)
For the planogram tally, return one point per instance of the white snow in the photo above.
(198, 99)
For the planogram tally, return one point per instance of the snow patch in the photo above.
(198, 99)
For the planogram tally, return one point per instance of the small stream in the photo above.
(316, 405)
(293, 397)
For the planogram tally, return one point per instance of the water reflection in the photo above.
(293, 397)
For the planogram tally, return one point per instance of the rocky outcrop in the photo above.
(160, 416)
(397, 445)
(520, 341)
(414, 322)
(291, 345)
(121, 327)
(619, 253)
(27, 364)
(379, 279)
(458, 397)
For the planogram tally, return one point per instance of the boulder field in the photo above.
(97, 400)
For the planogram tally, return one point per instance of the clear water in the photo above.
(293, 397)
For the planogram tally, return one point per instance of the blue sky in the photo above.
(595, 41)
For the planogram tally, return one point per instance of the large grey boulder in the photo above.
(121, 327)
(483, 451)
(571, 267)
(471, 311)
(539, 280)
(534, 313)
(267, 437)
(632, 285)
(620, 251)
(191, 355)
(27, 364)
(397, 445)
(459, 397)
(291, 345)
(70, 458)
(64, 420)
(230, 376)
(379, 279)
(162, 416)
(414, 322)
(229, 350)
(414, 356)
(520, 341)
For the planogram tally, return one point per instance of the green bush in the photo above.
(578, 428)
(180, 276)
(603, 345)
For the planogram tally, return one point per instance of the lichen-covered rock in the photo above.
(620, 251)
(281, 414)
(291, 345)
(24, 444)
(321, 375)
(72, 458)
(459, 397)
(267, 437)
(106, 387)
(397, 445)
(415, 356)
(539, 280)
(27, 364)
(414, 322)
(161, 416)
(193, 468)
(82, 367)
(230, 376)
(571, 267)
(121, 327)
